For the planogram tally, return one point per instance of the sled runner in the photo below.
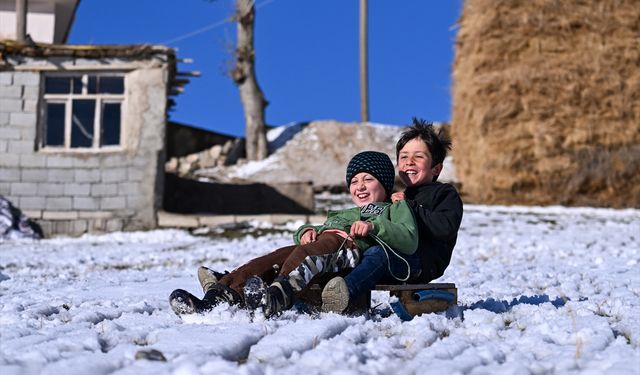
(412, 299)
(416, 299)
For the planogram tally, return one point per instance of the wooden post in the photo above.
(21, 20)
(364, 74)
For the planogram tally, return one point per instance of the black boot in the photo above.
(279, 297)
(183, 302)
(254, 291)
(219, 293)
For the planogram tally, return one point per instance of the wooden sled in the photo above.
(412, 299)
(417, 299)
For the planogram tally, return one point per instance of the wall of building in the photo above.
(74, 193)
(40, 26)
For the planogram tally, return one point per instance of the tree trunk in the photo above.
(243, 74)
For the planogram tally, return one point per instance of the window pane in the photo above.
(54, 128)
(111, 85)
(110, 124)
(82, 123)
(93, 85)
(77, 85)
(57, 85)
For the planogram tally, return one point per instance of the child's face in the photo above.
(365, 189)
(414, 164)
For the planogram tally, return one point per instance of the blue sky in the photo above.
(307, 56)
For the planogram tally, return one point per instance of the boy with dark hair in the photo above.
(437, 207)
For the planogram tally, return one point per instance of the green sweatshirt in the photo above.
(393, 224)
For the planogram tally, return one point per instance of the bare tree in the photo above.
(243, 74)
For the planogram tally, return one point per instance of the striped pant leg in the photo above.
(314, 265)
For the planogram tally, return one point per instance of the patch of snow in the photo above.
(278, 136)
(246, 170)
(549, 290)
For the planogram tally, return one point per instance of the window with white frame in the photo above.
(82, 111)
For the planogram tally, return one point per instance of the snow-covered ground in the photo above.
(541, 291)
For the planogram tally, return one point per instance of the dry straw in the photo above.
(547, 102)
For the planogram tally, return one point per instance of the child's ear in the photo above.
(436, 169)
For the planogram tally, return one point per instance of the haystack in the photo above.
(547, 102)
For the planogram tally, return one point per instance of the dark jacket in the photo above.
(438, 212)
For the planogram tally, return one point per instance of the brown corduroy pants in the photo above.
(285, 258)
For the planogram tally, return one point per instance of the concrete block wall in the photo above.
(70, 193)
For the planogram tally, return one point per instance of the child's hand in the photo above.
(361, 228)
(308, 236)
(397, 196)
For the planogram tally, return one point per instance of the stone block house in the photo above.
(82, 133)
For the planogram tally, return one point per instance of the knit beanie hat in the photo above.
(377, 164)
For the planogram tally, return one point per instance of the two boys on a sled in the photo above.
(389, 237)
